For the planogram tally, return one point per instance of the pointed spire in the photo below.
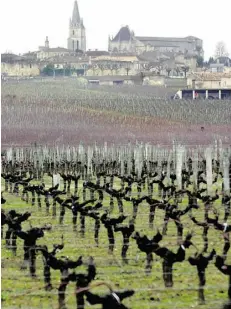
(75, 14)
(47, 42)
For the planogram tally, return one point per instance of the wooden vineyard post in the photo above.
(220, 149)
(121, 159)
(209, 175)
(9, 154)
(56, 179)
(226, 167)
(129, 159)
(147, 159)
(68, 157)
(169, 167)
(81, 158)
(195, 168)
(17, 155)
(215, 150)
(179, 163)
(138, 160)
(174, 154)
(21, 160)
(89, 162)
(40, 163)
(35, 157)
(139, 166)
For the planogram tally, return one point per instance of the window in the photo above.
(73, 32)
(30, 66)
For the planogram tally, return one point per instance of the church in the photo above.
(125, 41)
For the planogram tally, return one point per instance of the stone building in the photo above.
(68, 65)
(126, 41)
(113, 65)
(53, 52)
(77, 33)
(14, 65)
(167, 63)
(207, 80)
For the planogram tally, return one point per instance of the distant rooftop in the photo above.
(96, 53)
(114, 77)
(58, 49)
(210, 76)
(170, 39)
(124, 34)
(8, 57)
(116, 58)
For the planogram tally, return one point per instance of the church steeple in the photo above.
(75, 15)
(77, 36)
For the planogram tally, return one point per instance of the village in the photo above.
(130, 59)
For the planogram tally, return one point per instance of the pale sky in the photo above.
(26, 23)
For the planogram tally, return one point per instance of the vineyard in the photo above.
(64, 113)
(114, 198)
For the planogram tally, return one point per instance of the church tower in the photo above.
(77, 34)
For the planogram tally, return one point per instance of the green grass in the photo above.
(20, 291)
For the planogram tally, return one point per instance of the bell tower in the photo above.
(77, 34)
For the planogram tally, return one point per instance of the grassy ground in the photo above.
(20, 291)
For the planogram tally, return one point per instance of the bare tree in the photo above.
(142, 75)
(88, 68)
(127, 67)
(116, 67)
(177, 69)
(185, 69)
(101, 67)
(221, 50)
(168, 70)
